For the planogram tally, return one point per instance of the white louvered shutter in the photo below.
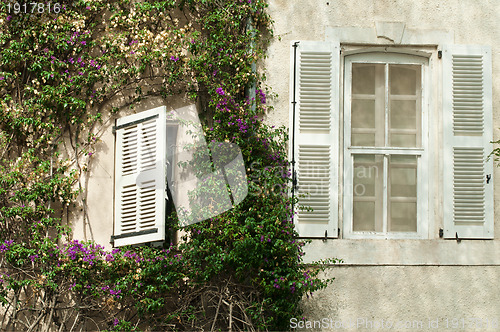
(140, 178)
(316, 137)
(467, 133)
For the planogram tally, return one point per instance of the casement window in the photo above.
(383, 98)
(385, 145)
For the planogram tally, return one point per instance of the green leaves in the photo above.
(59, 76)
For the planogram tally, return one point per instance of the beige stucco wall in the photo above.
(413, 280)
(408, 297)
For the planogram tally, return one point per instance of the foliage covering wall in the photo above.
(65, 67)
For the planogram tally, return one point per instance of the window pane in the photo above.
(402, 193)
(403, 217)
(404, 140)
(363, 113)
(363, 78)
(363, 139)
(368, 105)
(364, 216)
(404, 105)
(404, 79)
(368, 192)
(363, 122)
(403, 114)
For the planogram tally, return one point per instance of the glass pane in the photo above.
(402, 193)
(404, 140)
(403, 114)
(364, 216)
(368, 105)
(363, 117)
(403, 217)
(403, 176)
(404, 123)
(367, 193)
(363, 78)
(404, 79)
(363, 139)
(363, 113)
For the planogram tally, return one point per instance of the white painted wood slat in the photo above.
(316, 137)
(467, 133)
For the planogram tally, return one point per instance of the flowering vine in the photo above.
(63, 74)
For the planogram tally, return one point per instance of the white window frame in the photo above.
(396, 56)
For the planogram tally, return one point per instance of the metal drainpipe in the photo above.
(251, 87)
(294, 103)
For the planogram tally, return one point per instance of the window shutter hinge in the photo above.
(488, 178)
(114, 130)
(441, 232)
(326, 235)
(440, 54)
(456, 237)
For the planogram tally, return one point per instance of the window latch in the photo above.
(488, 178)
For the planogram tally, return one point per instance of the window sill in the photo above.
(405, 252)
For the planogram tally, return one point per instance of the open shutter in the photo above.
(316, 137)
(140, 178)
(467, 130)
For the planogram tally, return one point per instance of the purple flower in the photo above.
(261, 95)
(173, 58)
(220, 91)
(1, 78)
(114, 292)
(84, 42)
(116, 322)
(8, 18)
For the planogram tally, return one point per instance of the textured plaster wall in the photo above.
(399, 279)
(408, 294)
